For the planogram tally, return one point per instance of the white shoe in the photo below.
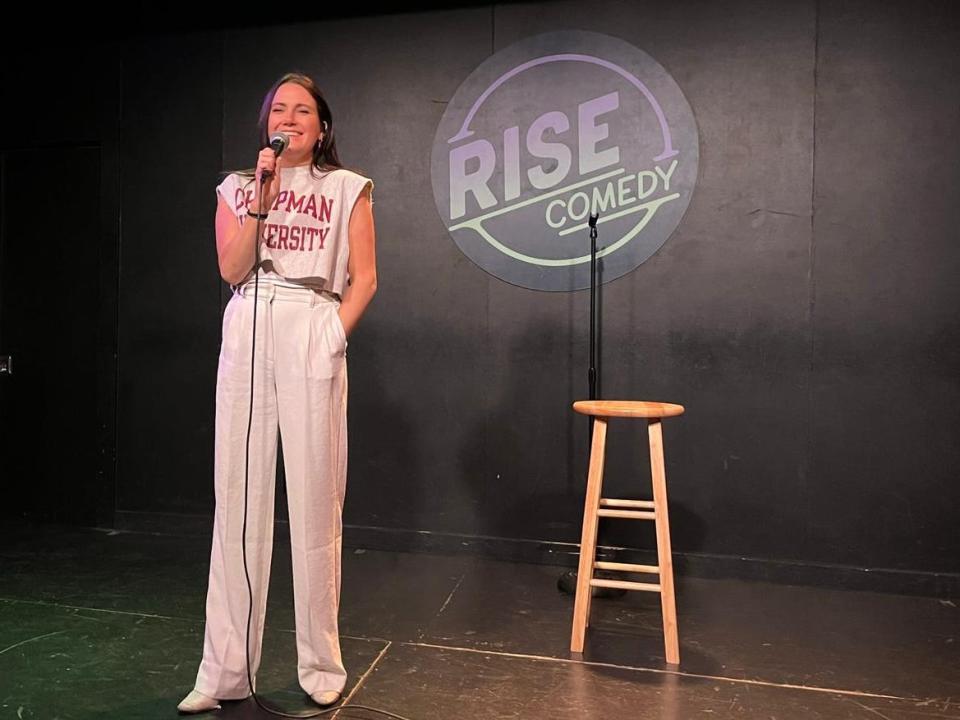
(197, 702)
(325, 698)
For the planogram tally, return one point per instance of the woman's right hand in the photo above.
(267, 164)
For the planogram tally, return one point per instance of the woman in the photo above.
(317, 274)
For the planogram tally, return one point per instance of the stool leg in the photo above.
(589, 600)
(664, 555)
(588, 539)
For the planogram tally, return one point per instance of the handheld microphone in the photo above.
(278, 143)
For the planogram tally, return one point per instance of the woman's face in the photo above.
(294, 112)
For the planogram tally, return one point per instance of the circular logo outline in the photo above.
(540, 265)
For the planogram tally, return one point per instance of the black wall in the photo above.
(805, 311)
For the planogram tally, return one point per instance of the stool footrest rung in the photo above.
(628, 514)
(627, 567)
(611, 502)
(625, 585)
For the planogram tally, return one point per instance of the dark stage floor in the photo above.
(96, 624)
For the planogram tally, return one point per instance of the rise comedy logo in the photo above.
(549, 129)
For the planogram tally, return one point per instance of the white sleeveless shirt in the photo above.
(305, 237)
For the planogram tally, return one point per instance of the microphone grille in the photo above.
(279, 142)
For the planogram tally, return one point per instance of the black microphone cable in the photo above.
(246, 485)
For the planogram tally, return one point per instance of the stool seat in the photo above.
(627, 408)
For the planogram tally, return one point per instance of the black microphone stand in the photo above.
(592, 371)
(568, 580)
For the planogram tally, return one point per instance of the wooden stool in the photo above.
(597, 507)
